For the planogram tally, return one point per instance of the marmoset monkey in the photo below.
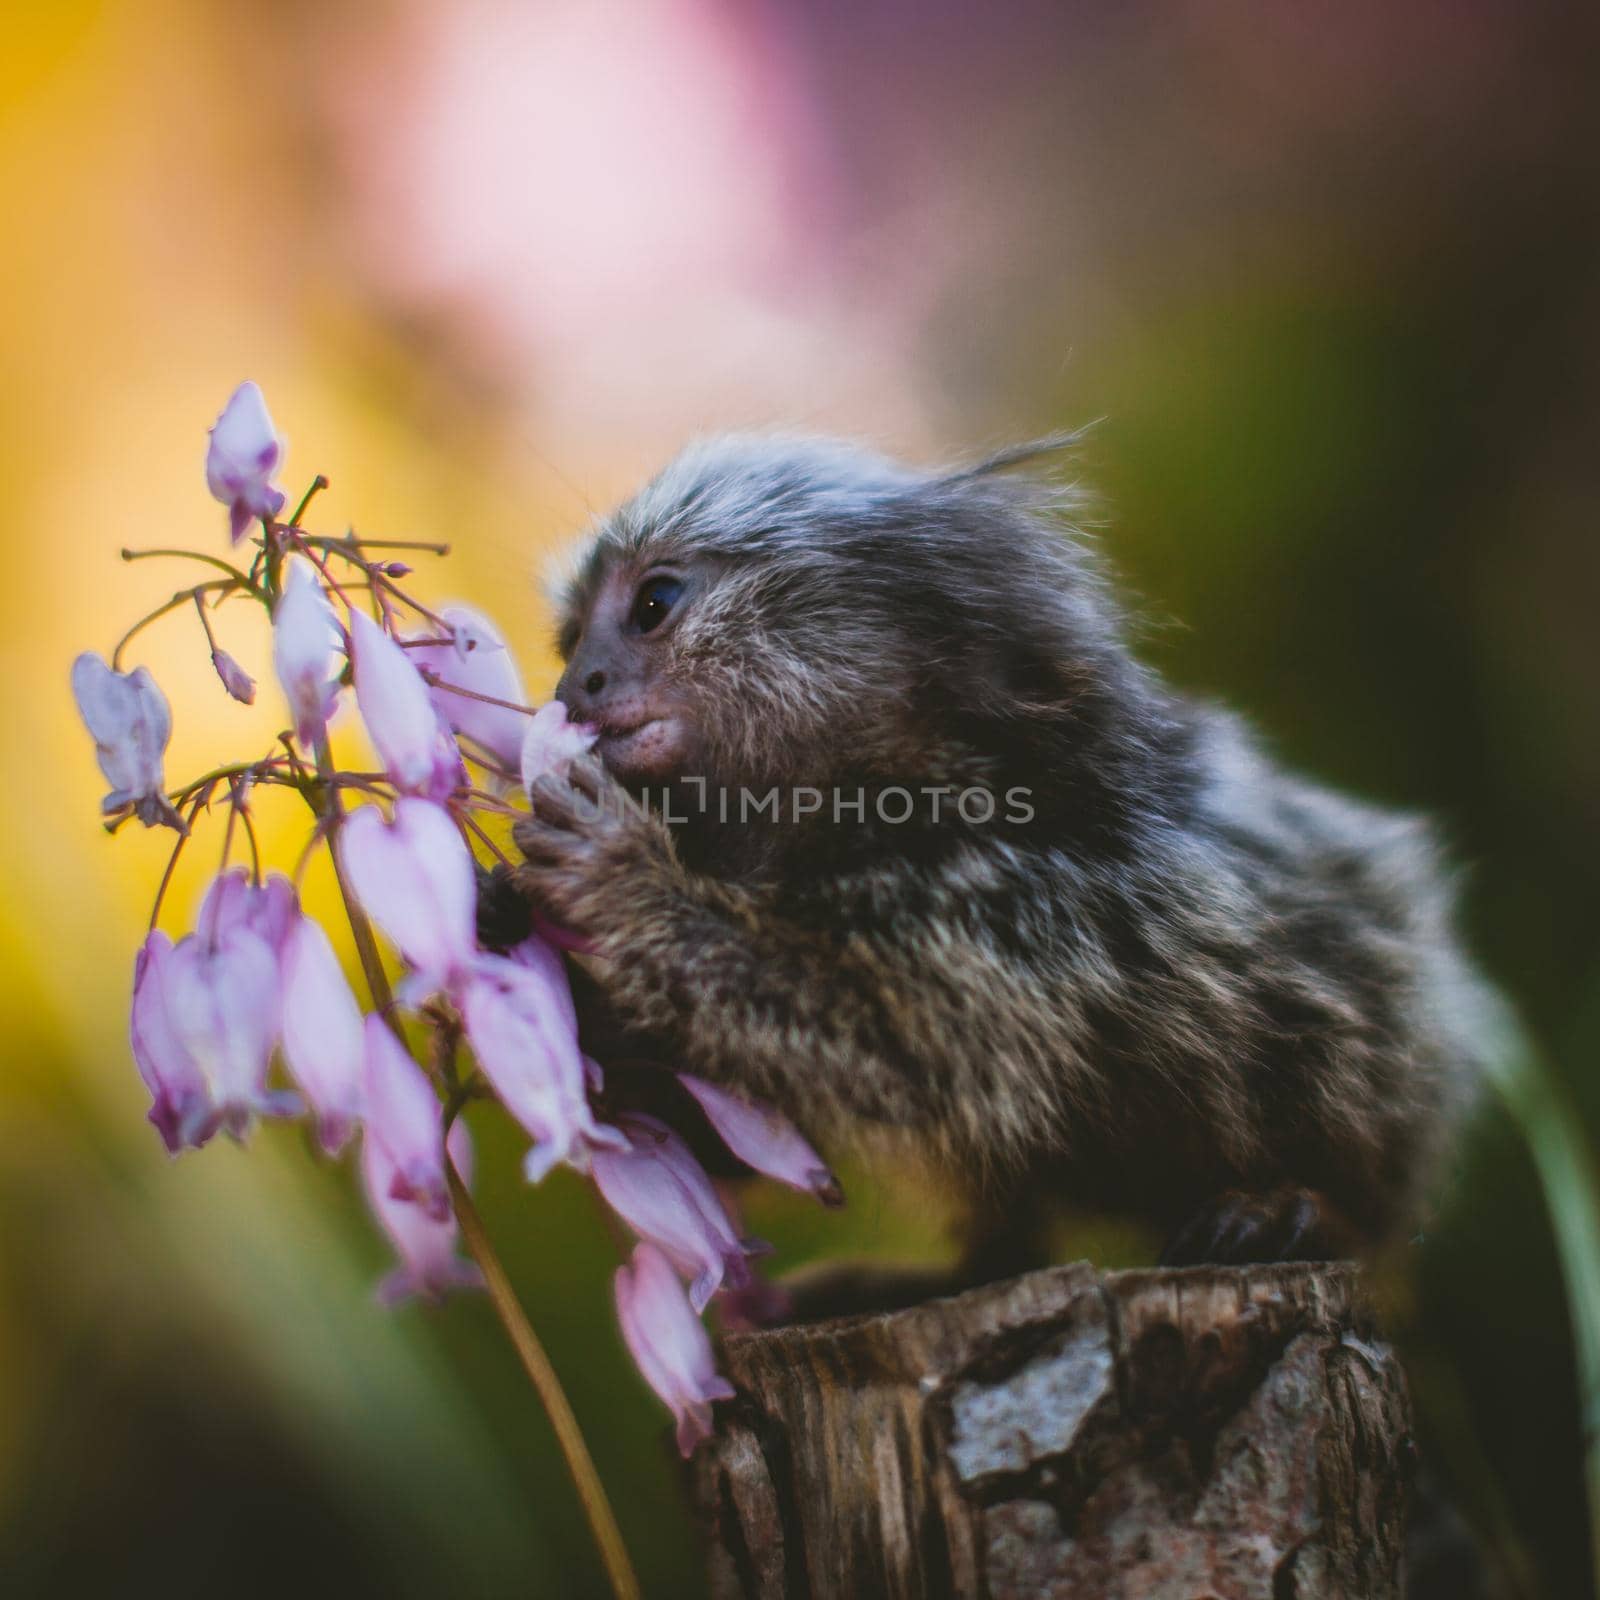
(1069, 929)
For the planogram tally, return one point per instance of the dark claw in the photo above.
(1237, 1228)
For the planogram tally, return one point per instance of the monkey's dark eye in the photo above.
(655, 599)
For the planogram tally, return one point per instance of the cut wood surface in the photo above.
(1165, 1435)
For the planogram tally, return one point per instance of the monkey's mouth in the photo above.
(646, 748)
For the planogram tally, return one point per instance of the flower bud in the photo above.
(305, 642)
(411, 739)
(127, 717)
(235, 679)
(243, 454)
(668, 1343)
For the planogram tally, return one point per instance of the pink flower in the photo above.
(305, 641)
(764, 1140)
(127, 717)
(429, 1266)
(181, 1110)
(520, 1021)
(550, 743)
(478, 660)
(668, 1343)
(268, 910)
(403, 1117)
(223, 1001)
(407, 731)
(322, 1037)
(244, 453)
(235, 679)
(658, 1187)
(414, 877)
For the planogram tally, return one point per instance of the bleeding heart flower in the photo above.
(223, 1001)
(658, 1187)
(429, 1266)
(244, 453)
(414, 877)
(411, 738)
(402, 1115)
(764, 1140)
(476, 659)
(306, 639)
(181, 1110)
(128, 719)
(322, 1037)
(668, 1343)
(520, 1021)
(268, 909)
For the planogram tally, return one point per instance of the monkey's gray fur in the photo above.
(1190, 975)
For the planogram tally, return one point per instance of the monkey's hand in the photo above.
(591, 850)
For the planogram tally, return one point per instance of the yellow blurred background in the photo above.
(1330, 276)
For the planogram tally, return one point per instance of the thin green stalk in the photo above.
(1567, 1175)
(193, 555)
(591, 1492)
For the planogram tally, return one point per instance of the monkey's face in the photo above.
(696, 666)
(619, 674)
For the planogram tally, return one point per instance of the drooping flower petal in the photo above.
(429, 1266)
(181, 1110)
(235, 679)
(232, 901)
(322, 1037)
(244, 452)
(550, 743)
(128, 719)
(411, 738)
(668, 1343)
(306, 639)
(414, 878)
(658, 1187)
(521, 1024)
(224, 1003)
(477, 659)
(764, 1140)
(403, 1116)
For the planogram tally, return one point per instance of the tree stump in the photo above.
(1166, 1435)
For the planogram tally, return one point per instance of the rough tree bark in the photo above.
(1171, 1435)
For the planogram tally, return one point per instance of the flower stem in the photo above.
(318, 484)
(592, 1494)
(569, 1436)
(193, 555)
(181, 598)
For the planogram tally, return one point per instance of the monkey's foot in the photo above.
(1236, 1228)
